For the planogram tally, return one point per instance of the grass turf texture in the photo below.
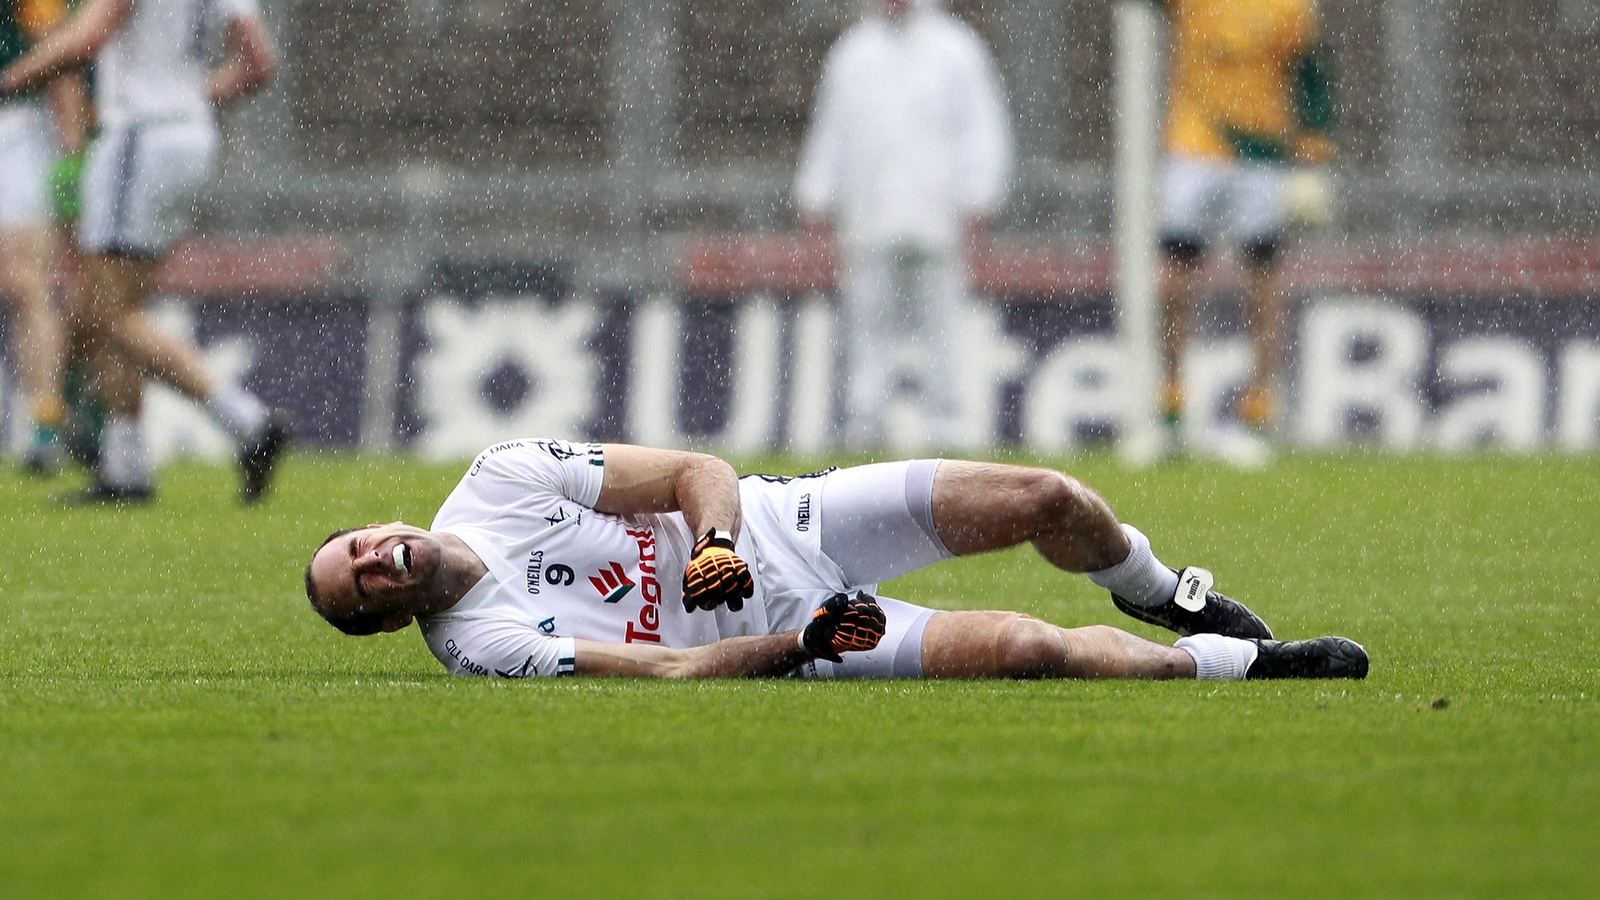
(175, 722)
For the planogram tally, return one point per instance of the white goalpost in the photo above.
(1137, 114)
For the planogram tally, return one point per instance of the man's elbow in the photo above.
(699, 470)
(716, 465)
(261, 67)
(257, 52)
(265, 71)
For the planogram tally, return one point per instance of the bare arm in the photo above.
(250, 65)
(69, 46)
(647, 480)
(69, 100)
(757, 656)
(841, 625)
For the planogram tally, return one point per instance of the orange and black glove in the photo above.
(715, 575)
(844, 625)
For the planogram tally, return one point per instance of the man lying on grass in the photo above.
(554, 558)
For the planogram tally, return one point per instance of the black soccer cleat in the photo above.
(256, 461)
(43, 460)
(1197, 609)
(1323, 657)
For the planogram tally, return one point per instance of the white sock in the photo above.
(1141, 579)
(1218, 658)
(123, 460)
(239, 411)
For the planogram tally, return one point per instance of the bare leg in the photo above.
(26, 254)
(979, 507)
(116, 382)
(118, 288)
(1265, 298)
(1266, 320)
(1011, 645)
(1177, 297)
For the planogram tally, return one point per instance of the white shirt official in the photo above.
(909, 132)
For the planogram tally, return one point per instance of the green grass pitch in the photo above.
(175, 722)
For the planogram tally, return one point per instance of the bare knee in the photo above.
(1030, 648)
(979, 507)
(1048, 501)
(1060, 499)
(1076, 527)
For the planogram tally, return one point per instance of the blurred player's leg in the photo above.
(865, 289)
(1190, 191)
(137, 183)
(939, 293)
(85, 410)
(25, 254)
(1179, 272)
(122, 467)
(1259, 406)
(1257, 201)
(26, 246)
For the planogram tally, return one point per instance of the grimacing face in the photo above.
(390, 569)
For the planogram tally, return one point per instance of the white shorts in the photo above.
(844, 531)
(27, 152)
(139, 185)
(1205, 198)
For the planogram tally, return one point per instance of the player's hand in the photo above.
(843, 625)
(715, 575)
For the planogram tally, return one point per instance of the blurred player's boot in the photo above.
(259, 458)
(44, 456)
(1257, 408)
(1323, 657)
(86, 420)
(1172, 417)
(102, 493)
(1196, 609)
(1242, 448)
(123, 474)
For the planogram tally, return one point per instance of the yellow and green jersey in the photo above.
(1246, 80)
(22, 22)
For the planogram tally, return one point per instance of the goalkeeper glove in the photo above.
(843, 625)
(715, 575)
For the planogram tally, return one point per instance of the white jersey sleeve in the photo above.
(496, 648)
(520, 475)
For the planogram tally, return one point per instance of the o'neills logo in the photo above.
(802, 519)
(535, 569)
(648, 626)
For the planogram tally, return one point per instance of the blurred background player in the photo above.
(28, 149)
(908, 154)
(157, 146)
(1248, 95)
(85, 413)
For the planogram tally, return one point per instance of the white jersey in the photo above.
(154, 67)
(560, 571)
